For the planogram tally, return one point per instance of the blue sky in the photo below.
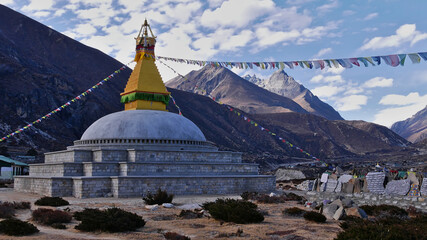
(267, 30)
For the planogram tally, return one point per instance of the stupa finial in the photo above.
(145, 89)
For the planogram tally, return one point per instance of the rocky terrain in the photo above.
(283, 84)
(414, 129)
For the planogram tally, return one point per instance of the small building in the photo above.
(10, 168)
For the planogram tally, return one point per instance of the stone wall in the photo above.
(184, 156)
(183, 169)
(91, 187)
(371, 199)
(137, 186)
(103, 155)
(56, 169)
(44, 185)
(68, 156)
(100, 169)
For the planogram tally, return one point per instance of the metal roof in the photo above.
(7, 162)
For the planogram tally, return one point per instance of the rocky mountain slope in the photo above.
(41, 69)
(283, 84)
(414, 129)
(231, 89)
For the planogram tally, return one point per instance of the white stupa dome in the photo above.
(144, 124)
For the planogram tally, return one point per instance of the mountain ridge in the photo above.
(414, 129)
(283, 84)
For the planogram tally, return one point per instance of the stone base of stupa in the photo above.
(131, 153)
(134, 173)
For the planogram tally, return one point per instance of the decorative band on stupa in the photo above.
(145, 89)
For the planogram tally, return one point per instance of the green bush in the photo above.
(385, 211)
(314, 217)
(231, 210)
(49, 216)
(15, 227)
(109, 220)
(175, 236)
(294, 211)
(159, 198)
(384, 229)
(51, 201)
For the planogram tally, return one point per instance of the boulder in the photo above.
(398, 187)
(355, 211)
(337, 202)
(347, 203)
(329, 210)
(152, 207)
(190, 206)
(167, 205)
(339, 213)
(288, 174)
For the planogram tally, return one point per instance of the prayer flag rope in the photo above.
(246, 119)
(79, 97)
(393, 60)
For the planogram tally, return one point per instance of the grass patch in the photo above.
(109, 220)
(159, 198)
(314, 217)
(51, 201)
(49, 216)
(266, 198)
(231, 210)
(15, 227)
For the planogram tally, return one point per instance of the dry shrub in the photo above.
(175, 236)
(49, 216)
(51, 201)
(15, 227)
(159, 198)
(231, 210)
(294, 211)
(109, 220)
(314, 217)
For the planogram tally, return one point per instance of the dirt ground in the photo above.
(162, 220)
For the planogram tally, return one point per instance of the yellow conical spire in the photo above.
(145, 88)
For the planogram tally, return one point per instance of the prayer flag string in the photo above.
(393, 60)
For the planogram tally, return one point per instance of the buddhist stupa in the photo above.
(143, 148)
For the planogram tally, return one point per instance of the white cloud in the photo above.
(268, 38)
(322, 52)
(327, 79)
(284, 19)
(236, 41)
(348, 13)
(406, 106)
(236, 13)
(317, 78)
(388, 116)
(298, 2)
(404, 34)
(326, 91)
(215, 3)
(370, 16)
(59, 12)
(335, 70)
(352, 102)
(327, 7)
(378, 82)
(6, 2)
(41, 14)
(401, 100)
(370, 29)
(35, 5)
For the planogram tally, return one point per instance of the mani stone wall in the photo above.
(371, 199)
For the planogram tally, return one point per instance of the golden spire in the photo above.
(145, 89)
